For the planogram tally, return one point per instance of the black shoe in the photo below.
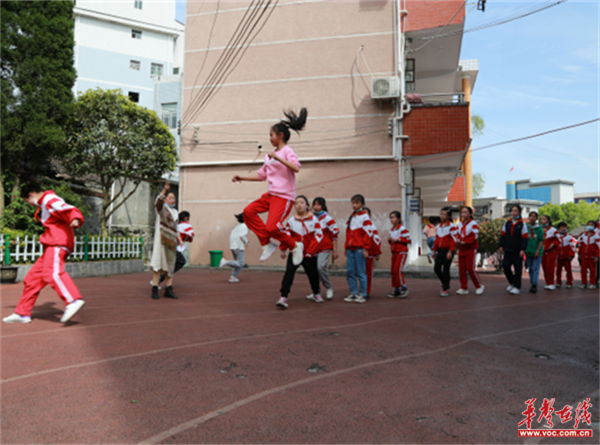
(533, 289)
(367, 297)
(169, 293)
(403, 293)
(155, 293)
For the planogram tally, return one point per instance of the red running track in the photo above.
(223, 365)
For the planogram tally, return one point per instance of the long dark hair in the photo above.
(294, 121)
(321, 201)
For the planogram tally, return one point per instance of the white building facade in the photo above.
(125, 44)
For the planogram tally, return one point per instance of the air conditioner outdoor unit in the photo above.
(385, 87)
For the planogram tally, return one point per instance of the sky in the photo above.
(536, 74)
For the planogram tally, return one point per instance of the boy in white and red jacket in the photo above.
(443, 250)
(566, 253)
(359, 233)
(399, 240)
(58, 219)
(588, 255)
(467, 234)
(374, 255)
(328, 244)
(303, 228)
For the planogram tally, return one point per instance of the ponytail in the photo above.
(294, 122)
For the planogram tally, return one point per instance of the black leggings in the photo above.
(442, 267)
(309, 264)
(515, 260)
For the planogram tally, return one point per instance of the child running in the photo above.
(306, 230)
(588, 255)
(59, 219)
(374, 255)
(279, 169)
(566, 253)
(550, 255)
(399, 240)
(513, 242)
(467, 235)
(328, 246)
(443, 250)
(237, 244)
(359, 232)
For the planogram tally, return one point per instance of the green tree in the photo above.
(478, 184)
(36, 44)
(574, 215)
(477, 126)
(111, 140)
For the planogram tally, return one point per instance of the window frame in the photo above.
(133, 63)
(134, 96)
(154, 65)
(410, 86)
(136, 34)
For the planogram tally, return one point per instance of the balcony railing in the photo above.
(438, 98)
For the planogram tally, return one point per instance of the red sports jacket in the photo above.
(308, 231)
(400, 233)
(468, 232)
(56, 217)
(359, 231)
(445, 236)
(330, 231)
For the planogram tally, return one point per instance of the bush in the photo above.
(489, 235)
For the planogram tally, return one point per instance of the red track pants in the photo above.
(398, 262)
(588, 263)
(279, 209)
(48, 269)
(370, 261)
(549, 260)
(466, 264)
(566, 264)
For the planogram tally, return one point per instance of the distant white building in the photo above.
(486, 209)
(557, 191)
(126, 44)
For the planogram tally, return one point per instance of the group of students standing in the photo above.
(549, 249)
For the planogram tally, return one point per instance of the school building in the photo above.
(388, 101)
(558, 191)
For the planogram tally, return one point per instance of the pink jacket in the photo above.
(282, 180)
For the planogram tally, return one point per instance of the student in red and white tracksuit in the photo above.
(467, 234)
(588, 255)
(328, 244)
(399, 240)
(566, 253)
(550, 255)
(58, 219)
(443, 249)
(374, 255)
(303, 228)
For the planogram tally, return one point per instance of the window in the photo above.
(156, 69)
(137, 4)
(134, 65)
(134, 97)
(169, 114)
(135, 34)
(409, 76)
(175, 70)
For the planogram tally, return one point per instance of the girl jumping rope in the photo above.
(279, 169)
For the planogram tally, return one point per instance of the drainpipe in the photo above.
(467, 164)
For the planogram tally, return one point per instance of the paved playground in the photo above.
(223, 365)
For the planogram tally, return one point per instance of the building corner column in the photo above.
(467, 164)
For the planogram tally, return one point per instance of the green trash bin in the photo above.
(215, 257)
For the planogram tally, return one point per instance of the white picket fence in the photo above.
(28, 249)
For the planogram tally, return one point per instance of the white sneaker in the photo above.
(509, 288)
(568, 286)
(297, 253)
(550, 287)
(268, 250)
(463, 292)
(515, 291)
(16, 318)
(582, 286)
(480, 290)
(318, 299)
(233, 280)
(330, 294)
(360, 299)
(152, 285)
(592, 286)
(311, 297)
(351, 298)
(71, 310)
(282, 302)
(223, 263)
